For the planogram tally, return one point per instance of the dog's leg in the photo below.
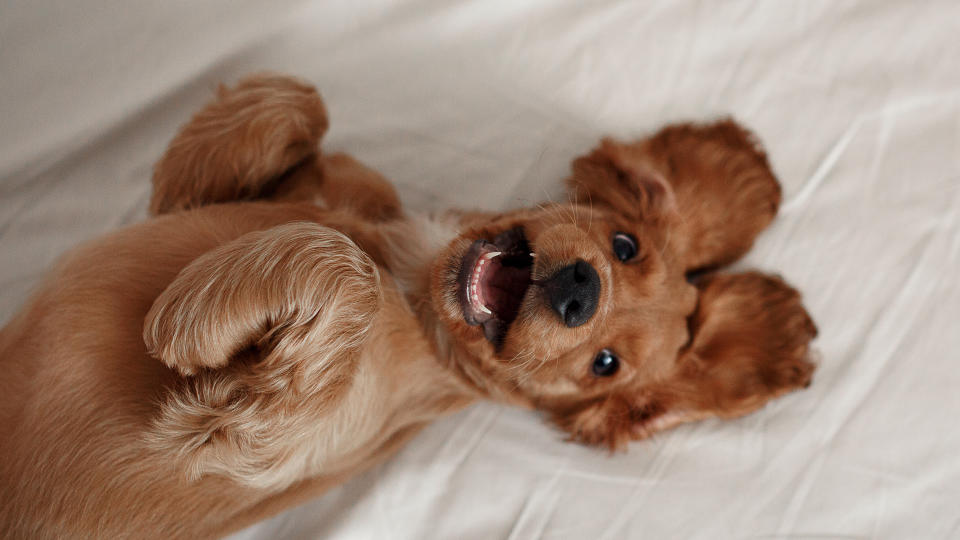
(241, 145)
(259, 328)
(352, 186)
(259, 140)
(723, 189)
(298, 281)
(750, 337)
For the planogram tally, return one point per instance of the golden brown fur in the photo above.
(225, 360)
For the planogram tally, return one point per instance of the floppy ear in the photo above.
(608, 176)
(724, 191)
(750, 344)
(259, 327)
(241, 144)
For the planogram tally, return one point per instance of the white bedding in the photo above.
(484, 103)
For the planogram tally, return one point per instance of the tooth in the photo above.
(492, 254)
(485, 309)
(532, 254)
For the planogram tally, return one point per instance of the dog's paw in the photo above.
(240, 143)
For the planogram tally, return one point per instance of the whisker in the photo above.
(590, 205)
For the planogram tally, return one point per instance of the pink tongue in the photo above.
(502, 288)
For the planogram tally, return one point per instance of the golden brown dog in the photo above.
(282, 323)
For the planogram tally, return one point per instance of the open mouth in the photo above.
(493, 280)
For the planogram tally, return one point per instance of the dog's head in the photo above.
(583, 309)
(566, 305)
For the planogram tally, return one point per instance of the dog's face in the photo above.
(568, 305)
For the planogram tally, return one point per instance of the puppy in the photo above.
(282, 323)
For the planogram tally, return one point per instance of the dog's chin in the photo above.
(493, 280)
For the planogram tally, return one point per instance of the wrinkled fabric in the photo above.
(480, 103)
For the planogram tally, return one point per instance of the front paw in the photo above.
(751, 338)
(241, 144)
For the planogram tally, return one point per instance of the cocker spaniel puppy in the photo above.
(281, 323)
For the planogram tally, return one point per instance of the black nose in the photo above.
(573, 293)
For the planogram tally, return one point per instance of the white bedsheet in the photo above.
(484, 103)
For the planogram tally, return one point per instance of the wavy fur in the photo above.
(282, 324)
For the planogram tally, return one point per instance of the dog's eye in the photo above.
(624, 246)
(605, 364)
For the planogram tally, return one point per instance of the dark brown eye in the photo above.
(605, 364)
(624, 246)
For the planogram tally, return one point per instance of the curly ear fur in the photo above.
(261, 326)
(750, 345)
(239, 144)
(724, 191)
(607, 176)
